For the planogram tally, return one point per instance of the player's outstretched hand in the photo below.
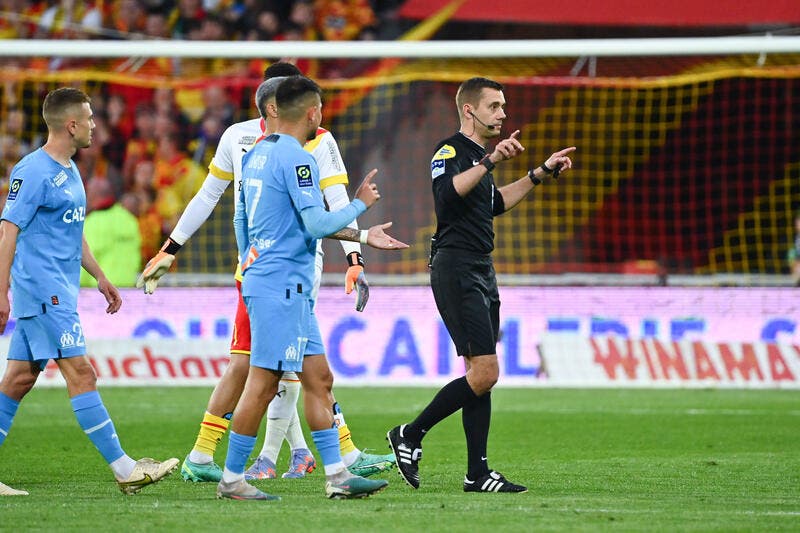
(111, 293)
(560, 161)
(377, 238)
(153, 270)
(507, 148)
(368, 192)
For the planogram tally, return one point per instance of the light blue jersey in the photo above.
(279, 181)
(47, 202)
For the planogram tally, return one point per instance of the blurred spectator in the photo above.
(92, 161)
(70, 19)
(12, 144)
(167, 107)
(214, 28)
(217, 115)
(10, 152)
(177, 178)
(156, 25)
(343, 20)
(301, 16)
(120, 128)
(143, 144)
(794, 253)
(265, 26)
(19, 18)
(128, 17)
(141, 196)
(186, 16)
(112, 233)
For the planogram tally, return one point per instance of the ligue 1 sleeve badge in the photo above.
(303, 173)
(14, 188)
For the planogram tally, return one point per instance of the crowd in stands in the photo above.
(260, 20)
(149, 153)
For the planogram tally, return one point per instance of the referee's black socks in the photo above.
(447, 401)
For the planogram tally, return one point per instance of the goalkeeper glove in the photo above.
(356, 279)
(157, 266)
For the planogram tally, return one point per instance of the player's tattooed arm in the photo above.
(346, 234)
(375, 237)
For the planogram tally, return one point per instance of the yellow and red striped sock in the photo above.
(212, 429)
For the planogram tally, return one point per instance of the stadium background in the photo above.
(685, 164)
(687, 174)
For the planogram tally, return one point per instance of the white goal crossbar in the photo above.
(763, 44)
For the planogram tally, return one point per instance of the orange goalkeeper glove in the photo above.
(157, 267)
(356, 279)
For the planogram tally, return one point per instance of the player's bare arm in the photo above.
(8, 246)
(376, 237)
(108, 290)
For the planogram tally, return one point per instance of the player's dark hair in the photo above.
(470, 91)
(294, 96)
(265, 92)
(58, 101)
(281, 69)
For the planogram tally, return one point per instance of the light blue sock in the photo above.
(327, 443)
(94, 421)
(8, 408)
(239, 449)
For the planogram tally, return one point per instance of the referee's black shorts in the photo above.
(465, 289)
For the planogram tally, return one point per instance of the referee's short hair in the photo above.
(470, 91)
(295, 95)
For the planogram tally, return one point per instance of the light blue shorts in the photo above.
(282, 331)
(54, 334)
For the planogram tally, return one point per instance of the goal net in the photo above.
(686, 163)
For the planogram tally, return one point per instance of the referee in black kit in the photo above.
(463, 277)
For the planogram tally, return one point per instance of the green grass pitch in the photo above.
(612, 460)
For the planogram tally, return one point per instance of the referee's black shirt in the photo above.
(463, 223)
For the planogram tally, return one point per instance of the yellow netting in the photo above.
(690, 162)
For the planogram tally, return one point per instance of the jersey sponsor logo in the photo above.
(247, 140)
(60, 178)
(437, 167)
(445, 152)
(74, 215)
(14, 188)
(303, 173)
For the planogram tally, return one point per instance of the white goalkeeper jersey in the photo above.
(239, 138)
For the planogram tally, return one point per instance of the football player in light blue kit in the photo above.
(42, 249)
(278, 220)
